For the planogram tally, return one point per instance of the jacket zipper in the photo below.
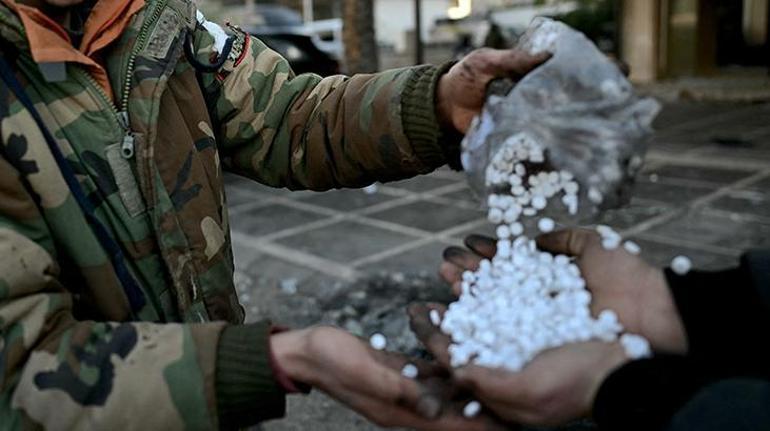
(127, 145)
(121, 116)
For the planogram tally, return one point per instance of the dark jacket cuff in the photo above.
(643, 395)
(724, 316)
(247, 391)
(433, 145)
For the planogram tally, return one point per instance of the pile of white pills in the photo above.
(524, 300)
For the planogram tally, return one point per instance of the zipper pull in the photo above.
(127, 147)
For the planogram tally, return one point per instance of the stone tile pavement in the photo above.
(705, 193)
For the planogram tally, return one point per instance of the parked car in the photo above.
(282, 30)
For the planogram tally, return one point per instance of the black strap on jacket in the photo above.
(131, 288)
(189, 52)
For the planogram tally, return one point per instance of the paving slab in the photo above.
(423, 260)
(346, 241)
(674, 195)
(700, 174)
(638, 211)
(421, 184)
(427, 216)
(463, 195)
(761, 186)
(272, 218)
(751, 202)
(681, 113)
(710, 228)
(759, 153)
(347, 200)
(661, 254)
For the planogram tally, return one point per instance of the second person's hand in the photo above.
(370, 382)
(625, 283)
(557, 387)
(617, 279)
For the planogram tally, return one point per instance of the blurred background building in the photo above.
(673, 38)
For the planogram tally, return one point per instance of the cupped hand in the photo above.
(370, 382)
(617, 279)
(557, 387)
(462, 91)
(625, 283)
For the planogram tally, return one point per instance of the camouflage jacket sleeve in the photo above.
(58, 372)
(305, 132)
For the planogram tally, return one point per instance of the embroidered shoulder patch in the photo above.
(163, 34)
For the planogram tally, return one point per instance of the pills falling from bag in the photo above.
(410, 371)
(554, 146)
(378, 342)
(435, 317)
(472, 409)
(525, 301)
(681, 265)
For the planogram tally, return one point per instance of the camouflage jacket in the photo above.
(73, 352)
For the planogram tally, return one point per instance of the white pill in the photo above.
(503, 232)
(595, 196)
(608, 317)
(632, 247)
(611, 243)
(435, 317)
(571, 188)
(636, 347)
(472, 409)
(378, 342)
(606, 231)
(495, 215)
(681, 265)
(410, 371)
(553, 177)
(546, 225)
(539, 202)
(511, 215)
(524, 300)
(485, 265)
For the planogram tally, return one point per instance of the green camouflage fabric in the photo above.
(73, 355)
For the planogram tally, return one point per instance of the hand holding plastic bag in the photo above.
(579, 108)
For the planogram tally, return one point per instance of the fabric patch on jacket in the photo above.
(128, 188)
(164, 34)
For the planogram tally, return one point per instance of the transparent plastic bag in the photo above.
(580, 108)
